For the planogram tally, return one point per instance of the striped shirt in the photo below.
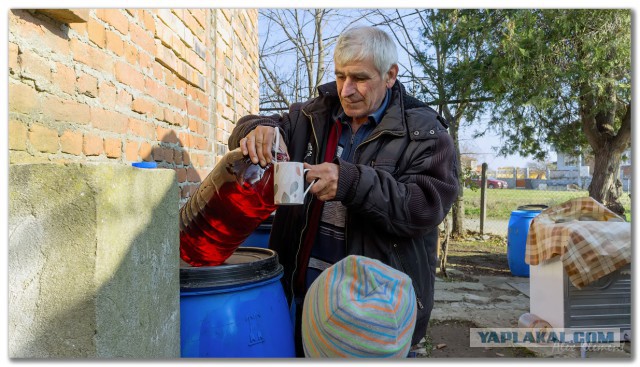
(330, 243)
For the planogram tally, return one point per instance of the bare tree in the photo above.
(293, 55)
(294, 51)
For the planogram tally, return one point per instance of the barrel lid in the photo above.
(246, 265)
(533, 207)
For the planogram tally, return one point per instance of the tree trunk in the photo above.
(457, 210)
(605, 185)
(444, 247)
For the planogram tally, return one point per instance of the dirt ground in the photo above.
(446, 341)
(476, 254)
(472, 255)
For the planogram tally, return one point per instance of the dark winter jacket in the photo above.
(402, 184)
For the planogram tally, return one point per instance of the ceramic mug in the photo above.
(288, 183)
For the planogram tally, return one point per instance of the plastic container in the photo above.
(145, 164)
(519, 223)
(531, 321)
(230, 203)
(235, 310)
(260, 237)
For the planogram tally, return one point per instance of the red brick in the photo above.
(181, 174)
(149, 21)
(107, 94)
(92, 57)
(24, 99)
(17, 135)
(200, 15)
(192, 175)
(71, 142)
(126, 74)
(141, 128)
(115, 43)
(186, 158)
(14, 50)
(124, 99)
(108, 120)
(87, 85)
(177, 157)
(113, 147)
(34, 66)
(140, 37)
(146, 62)
(166, 135)
(92, 145)
(161, 153)
(131, 53)
(97, 33)
(66, 110)
(81, 28)
(145, 151)
(143, 106)
(116, 18)
(43, 139)
(64, 77)
(131, 151)
(155, 90)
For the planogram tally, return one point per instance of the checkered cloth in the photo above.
(591, 240)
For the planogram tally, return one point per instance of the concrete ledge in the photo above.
(93, 262)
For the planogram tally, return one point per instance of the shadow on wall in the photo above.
(170, 153)
(110, 294)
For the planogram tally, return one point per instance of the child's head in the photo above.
(359, 307)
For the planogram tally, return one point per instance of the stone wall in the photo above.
(127, 85)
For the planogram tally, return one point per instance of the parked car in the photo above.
(492, 183)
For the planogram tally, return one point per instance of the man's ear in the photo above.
(391, 76)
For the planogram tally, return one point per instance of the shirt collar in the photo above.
(375, 116)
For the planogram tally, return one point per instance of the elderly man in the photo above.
(384, 167)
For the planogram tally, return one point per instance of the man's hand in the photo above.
(326, 175)
(259, 143)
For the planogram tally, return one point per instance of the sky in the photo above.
(484, 149)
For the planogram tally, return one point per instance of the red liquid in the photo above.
(228, 206)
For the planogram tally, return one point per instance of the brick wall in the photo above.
(129, 85)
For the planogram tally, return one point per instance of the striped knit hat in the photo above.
(359, 307)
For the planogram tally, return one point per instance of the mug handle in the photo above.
(304, 171)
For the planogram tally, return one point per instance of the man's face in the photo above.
(361, 88)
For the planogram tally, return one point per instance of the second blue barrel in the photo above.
(260, 237)
(235, 310)
(519, 223)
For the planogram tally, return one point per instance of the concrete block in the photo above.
(93, 262)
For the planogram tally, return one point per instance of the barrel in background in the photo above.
(519, 223)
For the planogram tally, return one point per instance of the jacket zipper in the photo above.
(395, 251)
(306, 222)
(372, 138)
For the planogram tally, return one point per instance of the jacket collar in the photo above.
(391, 121)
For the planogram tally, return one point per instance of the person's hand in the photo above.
(259, 143)
(326, 177)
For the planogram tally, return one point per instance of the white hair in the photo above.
(361, 43)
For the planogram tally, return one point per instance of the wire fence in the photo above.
(502, 202)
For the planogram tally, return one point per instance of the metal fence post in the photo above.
(483, 194)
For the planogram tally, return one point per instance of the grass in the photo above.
(501, 202)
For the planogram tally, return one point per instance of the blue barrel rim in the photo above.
(247, 265)
(532, 207)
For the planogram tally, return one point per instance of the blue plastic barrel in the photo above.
(260, 237)
(235, 310)
(519, 223)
